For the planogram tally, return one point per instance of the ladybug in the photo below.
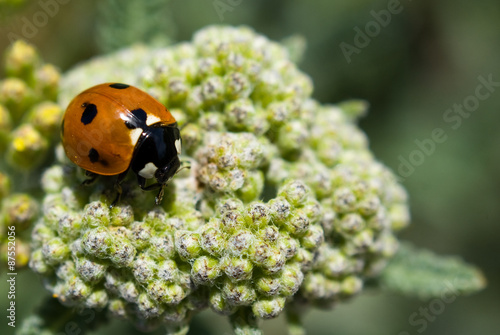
(111, 128)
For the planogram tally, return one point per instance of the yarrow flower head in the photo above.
(284, 204)
(29, 122)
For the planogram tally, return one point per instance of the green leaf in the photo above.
(424, 274)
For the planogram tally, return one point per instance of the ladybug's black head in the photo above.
(157, 156)
(165, 173)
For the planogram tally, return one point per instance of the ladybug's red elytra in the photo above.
(111, 128)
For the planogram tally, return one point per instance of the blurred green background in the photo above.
(411, 70)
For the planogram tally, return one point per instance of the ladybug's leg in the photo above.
(142, 184)
(118, 187)
(91, 177)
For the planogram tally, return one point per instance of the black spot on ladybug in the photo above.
(140, 114)
(89, 114)
(93, 155)
(137, 120)
(119, 86)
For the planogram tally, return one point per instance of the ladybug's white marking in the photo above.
(148, 171)
(152, 119)
(134, 135)
(178, 146)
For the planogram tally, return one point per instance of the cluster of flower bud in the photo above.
(157, 267)
(29, 115)
(29, 124)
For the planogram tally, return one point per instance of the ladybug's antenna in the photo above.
(182, 168)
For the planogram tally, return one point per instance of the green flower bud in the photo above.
(118, 308)
(97, 300)
(231, 221)
(96, 214)
(69, 226)
(298, 223)
(46, 118)
(162, 246)
(252, 186)
(211, 121)
(19, 210)
(205, 270)
(278, 112)
(55, 251)
(350, 223)
(280, 209)
(237, 86)
(318, 287)
(74, 291)
(53, 179)
(291, 279)
(313, 238)
(334, 262)
(22, 255)
(219, 304)
(89, 270)
(121, 215)
(351, 285)
(144, 268)
(97, 241)
(178, 90)
(140, 235)
(291, 138)
(239, 243)
(187, 244)
(268, 308)
(148, 308)
(305, 258)
(288, 246)
(240, 293)
(38, 264)
(20, 60)
(191, 137)
(354, 109)
(27, 149)
(41, 233)
(237, 269)
(344, 200)
(240, 115)
(16, 96)
(269, 285)
(213, 241)
(399, 216)
(165, 293)
(295, 192)
(47, 81)
(175, 314)
(369, 205)
(212, 90)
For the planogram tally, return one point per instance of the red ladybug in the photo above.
(111, 128)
